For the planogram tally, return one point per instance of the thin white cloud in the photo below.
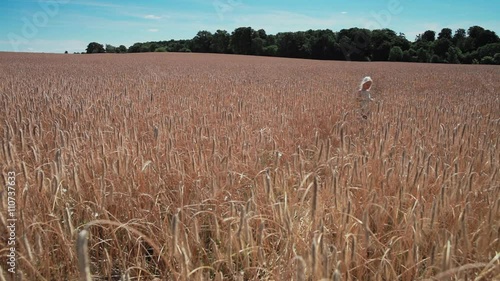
(344, 12)
(153, 30)
(152, 17)
(102, 23)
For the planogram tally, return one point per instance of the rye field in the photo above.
(225, 167)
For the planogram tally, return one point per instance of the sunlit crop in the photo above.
(221, 167)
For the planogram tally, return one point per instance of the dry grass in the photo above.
(201, 167)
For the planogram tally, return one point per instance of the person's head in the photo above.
(366, 83)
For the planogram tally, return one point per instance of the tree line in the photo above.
(472, 46)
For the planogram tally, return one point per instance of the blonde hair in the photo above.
(364, 81)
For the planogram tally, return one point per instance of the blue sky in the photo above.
(59, 25)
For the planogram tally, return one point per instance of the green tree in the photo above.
(257, 46)
(445, 34)
(94, 48)
(410, 55)
(161, 50)
(429, 36)
(261, 33)
(152, 46)
(453, 55)
(293, 45)
(220, 42)
(347, 44)
(382, 51)
(487, 60)
(258, 42)
(202, 41)
(136, 48)
(422, 55)
(459, 38)
(488, 50)
(480, 37)
(121, 49)
(241, 40)
(468, 44)
(475, 31)
(177, 45)
(402, 42)
(396, 54)
(470, 57)
(435, 59)
(321, 43)
(486, 37)
(382, 42)
(271, 50)
(110, 48)
(496, 58)
(441, 46)
(355, 43)
(270, 39)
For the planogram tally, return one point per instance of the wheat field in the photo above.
(225, 167)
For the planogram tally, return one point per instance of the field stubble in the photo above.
(198, 167)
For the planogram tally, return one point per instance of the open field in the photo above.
(220, 167)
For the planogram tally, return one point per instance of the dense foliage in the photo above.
(476, 45)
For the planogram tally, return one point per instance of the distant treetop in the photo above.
(357, 44)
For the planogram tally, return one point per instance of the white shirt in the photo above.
(365, 96)
(364, 99)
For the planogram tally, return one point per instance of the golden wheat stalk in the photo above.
(83, 256)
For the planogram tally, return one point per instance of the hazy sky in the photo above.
(59, 25)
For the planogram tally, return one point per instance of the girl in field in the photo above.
(364, 98)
